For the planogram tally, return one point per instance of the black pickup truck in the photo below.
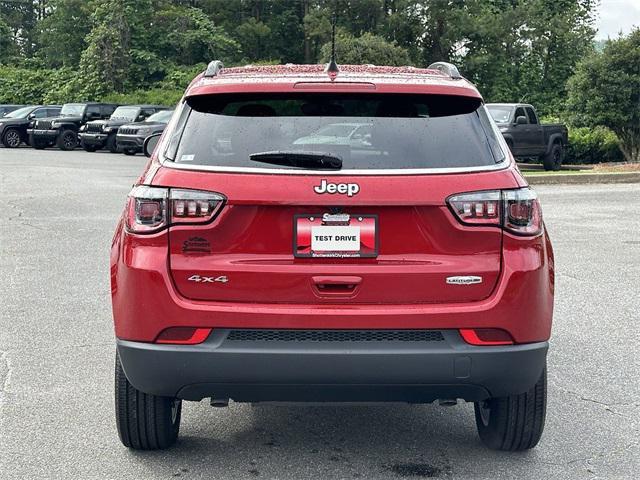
(526, 137)
(62, 130)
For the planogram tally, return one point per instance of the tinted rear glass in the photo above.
(365, 131)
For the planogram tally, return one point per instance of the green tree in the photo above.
(518, 50)
(186, 35)
(104, 63)
(8, 47)
(253, 36)
(62, 33)
(605, 90)
(367, 48)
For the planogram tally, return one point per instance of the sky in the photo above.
(616, 15)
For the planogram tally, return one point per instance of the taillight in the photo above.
(150, 209)
(522, 214)
(479, 208)
(517, 211)
(146, 209)
(188, 206)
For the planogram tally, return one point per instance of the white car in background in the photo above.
(355, 135)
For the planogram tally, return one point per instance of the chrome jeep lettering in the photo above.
(349, 189)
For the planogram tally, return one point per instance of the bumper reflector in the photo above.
(486, 336)
(183, 335)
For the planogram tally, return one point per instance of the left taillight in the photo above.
(151, 209)
(516, 211)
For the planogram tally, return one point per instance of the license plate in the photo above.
(40, 132)
(335, 235)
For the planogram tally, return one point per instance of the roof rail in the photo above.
(214, 68)
(447, 68)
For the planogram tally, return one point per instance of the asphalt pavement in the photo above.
(57, 215)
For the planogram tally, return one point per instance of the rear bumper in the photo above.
(276, 370)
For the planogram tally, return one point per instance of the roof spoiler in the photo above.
(448, 69)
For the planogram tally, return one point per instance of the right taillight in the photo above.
(151, 209)
(517, 211)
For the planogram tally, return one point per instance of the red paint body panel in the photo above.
(404, 287)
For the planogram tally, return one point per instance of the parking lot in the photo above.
(57, 214)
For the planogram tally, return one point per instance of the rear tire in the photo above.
(516, 422)
(11, 138)
(88, 148)
(67, 140)
(36, 144)
(553, 160)
(145, 422)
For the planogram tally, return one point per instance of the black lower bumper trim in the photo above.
(409, 371)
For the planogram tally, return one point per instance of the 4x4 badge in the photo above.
(199, 279)
(325, 187)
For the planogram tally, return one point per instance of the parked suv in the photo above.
(527, 137)
(4, 109)
(99, 134)
(131, 136)
(62, 130)
(13, 126)
(412, 267)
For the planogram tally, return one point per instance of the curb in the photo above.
(583, 178)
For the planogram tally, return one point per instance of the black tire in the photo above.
(145, 422)
(11, 138)
(67, 140)
(111, 144)
(36, 144)
(553, 160)
(129, 151)
(516, 422)
(88, 148)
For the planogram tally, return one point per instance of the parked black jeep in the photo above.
(62, 130)
(13, 126)
(527, 137)
(102, 133)
(131, 137)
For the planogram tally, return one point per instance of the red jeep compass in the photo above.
(361, 235)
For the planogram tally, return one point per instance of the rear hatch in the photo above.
(376, 230)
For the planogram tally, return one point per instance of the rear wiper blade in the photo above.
(310, 160)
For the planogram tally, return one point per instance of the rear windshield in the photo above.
(364, 131)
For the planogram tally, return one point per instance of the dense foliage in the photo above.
(148, 50)
(606, 91)
(511, 48)
(592, 145)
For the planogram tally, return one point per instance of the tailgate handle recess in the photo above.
(336, 285)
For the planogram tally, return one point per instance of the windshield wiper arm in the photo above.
(310, 160)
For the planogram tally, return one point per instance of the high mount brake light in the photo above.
(517, 211)
(150, 209)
